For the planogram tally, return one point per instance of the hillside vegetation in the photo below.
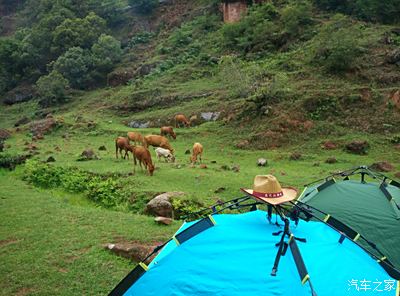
(293, 82)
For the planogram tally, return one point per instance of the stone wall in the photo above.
(233, 11)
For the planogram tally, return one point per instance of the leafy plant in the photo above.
(52, 89)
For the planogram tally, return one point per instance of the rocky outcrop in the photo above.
(161, 205)
(357, 147)
(382, 166)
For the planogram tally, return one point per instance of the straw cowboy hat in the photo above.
(266, 188)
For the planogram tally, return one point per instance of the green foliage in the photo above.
(9, 161)
(77, 32)
(42, 174)
(320, 108)
(75, 65)
(296, 17)
(186, 206)
(11, 67)
(387, 11)
(106, 52)
(140, 38)
(52, 89)
(338, 45)
(104, 192)
(144, 6)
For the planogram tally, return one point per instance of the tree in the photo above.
(144, 6)
(52, 89)
(75, 65)
(106, 52)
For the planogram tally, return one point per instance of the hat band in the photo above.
(268, 195)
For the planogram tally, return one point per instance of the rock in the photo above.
(37, 137)
(395, 99)
(22, 93)
(161, 204)
(235, 168)
(163, 220)
(102, 148)
(357, 147)
(262, 162)
(145, 69)
(177, 166)
(295, 156)
(397, 175)
(210, 116)
(31, 147)
(203, 166)
(22, 121)
(91, 124)
(132, 250)
(316, 164)
(397, 147)
(283, 173)
(331, 160)
(329, 145)
(393, 57)
(382, 166)
(4, 134)
(88, 154)
(41, 127)
(58, 149)
(225, 167)
(139, 124)
(213, 161)
(219, 190)
(187, 151)
(119, 77)
(1, 146)
(194, 120)
(51, 159)
(243, 144)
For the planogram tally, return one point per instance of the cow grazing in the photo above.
(196, 152)
(136, 137)
(142, 155)
(158, 141)
(165, 153)
(122, 143)
(168, 130)
(181, 119)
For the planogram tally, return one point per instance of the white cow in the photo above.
(165, 153)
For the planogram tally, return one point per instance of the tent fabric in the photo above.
(235, 257)
(364, 208)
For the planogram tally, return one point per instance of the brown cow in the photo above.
(197, 151)
(180, 118)
(136, 137)
(122, 143)
(168, 130)
(142, 155)
(158, 141)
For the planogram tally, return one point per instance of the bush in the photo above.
(338, 45)
(75, 65)
(140, 38)
(8, 161)
(105, 192)
(52, 89)
(296, 17)
(106, 52)
(186, 206)
(144, 6)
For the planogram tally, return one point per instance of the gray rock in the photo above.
(88, 154)
(163, 220)
(131, 250)
(51, 159)
(210, 116)
(262, 162)
(139, 124)
(161, 204)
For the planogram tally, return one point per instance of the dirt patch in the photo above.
(6, 242)
(24, 291)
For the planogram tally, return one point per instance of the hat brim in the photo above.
(289, 194)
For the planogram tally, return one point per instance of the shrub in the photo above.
(185, 206)
(106, 52)
(296, 17)
(8, 161)
(52, 89)
(42, 174)
(338, 45)
(140, 38)
(105, 192)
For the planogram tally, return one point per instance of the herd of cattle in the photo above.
(163, 149)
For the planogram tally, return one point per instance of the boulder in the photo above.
(187, 151)
(4, 134)
(163, 220)
(357, 147)
(139, 124)
(22, 93)
(329, 145)
(393, 57)
(219, 190)
(203, 166)
(210, 116)
(22, 121)
(41, 127)
(331, 160)
(132, 250)
(88, 154)
(235, 168)
(295, 156)
(262, 162)
(102, 148)
(50, 159)
(382, 166)
(395, 99)
(161, 205)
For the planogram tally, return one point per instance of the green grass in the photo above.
(49, 246)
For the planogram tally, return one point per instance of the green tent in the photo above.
(363, 204)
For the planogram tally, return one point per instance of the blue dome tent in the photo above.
(260, 253)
